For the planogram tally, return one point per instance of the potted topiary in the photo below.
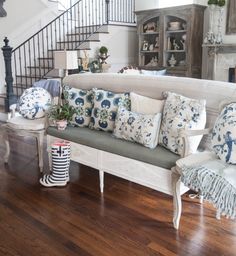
(103, 50)
(61, 115)
(212, 2)
(103, 54)
(221, 3)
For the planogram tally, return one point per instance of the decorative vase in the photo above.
(172, 61)
(103, 57)
(61, 124)
(105, 67)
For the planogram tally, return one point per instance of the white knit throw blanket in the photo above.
(213, 187)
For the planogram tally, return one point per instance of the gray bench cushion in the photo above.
(105, 141)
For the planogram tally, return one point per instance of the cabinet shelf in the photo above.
(174, 51)
(150, 33)
(149, 51)
(176, 31)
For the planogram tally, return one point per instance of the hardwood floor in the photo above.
(128, 220)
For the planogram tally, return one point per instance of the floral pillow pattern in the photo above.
(140, 128)
(106, 104)
(34, 102)
(181, 113)
(224, 134)
(82, 100)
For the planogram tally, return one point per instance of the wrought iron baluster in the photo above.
(25, 66)
(34, 53)
(42, 71)
(47, 61)
(30, 66)
(15, 65)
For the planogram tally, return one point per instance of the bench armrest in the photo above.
(185, 134)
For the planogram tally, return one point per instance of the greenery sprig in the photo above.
(62, 112)
(216, 2)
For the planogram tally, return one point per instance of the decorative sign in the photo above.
(3, 13)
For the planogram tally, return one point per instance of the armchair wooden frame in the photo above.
(176, 174)
(37, 134)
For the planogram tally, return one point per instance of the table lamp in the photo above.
(64, 60)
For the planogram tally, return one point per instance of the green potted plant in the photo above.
(103, 54)
(61, 115)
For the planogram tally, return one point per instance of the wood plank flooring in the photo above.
(128, 220)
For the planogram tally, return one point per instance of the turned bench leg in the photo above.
(6, 140)
(101, 178)
(40, 150)
(177, 204)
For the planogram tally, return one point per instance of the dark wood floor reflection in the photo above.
(77, 220)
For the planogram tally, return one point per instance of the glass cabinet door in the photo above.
(175, 42)
(149, 44)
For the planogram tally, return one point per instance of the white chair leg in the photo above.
(218, 215)
(49, 158)
(6, 140)
(49, 142)
(40, 150)
(176, 199)
(201, 199)
(101, 179)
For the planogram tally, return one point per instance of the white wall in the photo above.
(152, 4)
(121, 42)
(24, 18)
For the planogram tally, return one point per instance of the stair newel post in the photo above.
(10, 97)
(107, 11)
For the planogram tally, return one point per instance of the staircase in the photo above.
(75, 29)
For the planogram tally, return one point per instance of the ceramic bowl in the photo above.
(174, 25)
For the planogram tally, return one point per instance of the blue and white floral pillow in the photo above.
(106, 104)
(181, 113)
(140, 128)
(34, 103)
(82, 100)
(224, 134)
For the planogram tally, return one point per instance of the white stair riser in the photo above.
(81, 37)
(18, 91)
(90, 29)
(45, 63)
(26, 80)
(84, 30)
(2, 101)
(67, 45)
(37, 71)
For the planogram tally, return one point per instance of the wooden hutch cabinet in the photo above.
(171, 38)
